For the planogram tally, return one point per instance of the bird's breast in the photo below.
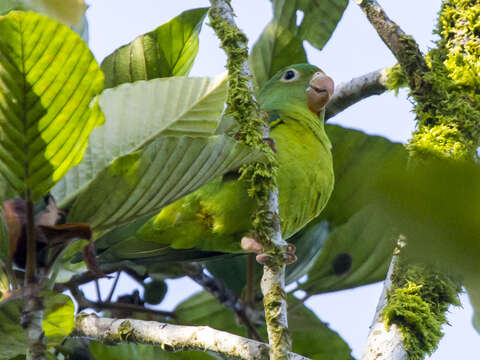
(305, 178)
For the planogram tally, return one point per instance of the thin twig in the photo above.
(225, 296)
(84, 303)
(114, 285)
(172, 337)
(355, 90)
(97, 289)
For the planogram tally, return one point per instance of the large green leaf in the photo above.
(281, 43)
(138, 113)
(163, 171)
(356, 253)
(311, 337)
(362, 236)
(48, 79)
(169, 50)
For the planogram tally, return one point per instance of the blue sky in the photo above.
(353, 50)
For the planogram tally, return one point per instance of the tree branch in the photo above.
(171, 337)
(384, 343)
(241, 103)
(357, 89)
(403, 47)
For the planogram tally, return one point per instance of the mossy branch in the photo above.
(445, 86)
(172, 337)
(241, 105)
(403, 47)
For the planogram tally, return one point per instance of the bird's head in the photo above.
(297, 85)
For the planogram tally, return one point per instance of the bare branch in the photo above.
(172, 337)
(384, 343)
(357, 89)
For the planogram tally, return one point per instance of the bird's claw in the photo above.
(251, 245)
(270, 143)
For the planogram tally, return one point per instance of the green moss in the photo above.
(448, 114)
(396, 78)
(126, 332)
(241, 106)
(417, 303)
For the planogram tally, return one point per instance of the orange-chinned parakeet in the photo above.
(218, 215)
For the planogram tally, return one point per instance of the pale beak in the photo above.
(319, 91)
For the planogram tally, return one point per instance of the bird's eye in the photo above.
(290, 75)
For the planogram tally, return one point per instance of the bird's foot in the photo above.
(270, 143)
(252, 245)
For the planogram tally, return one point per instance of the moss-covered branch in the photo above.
(445, 87)
(171, 337)
(241, 105)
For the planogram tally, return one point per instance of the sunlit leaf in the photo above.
(58, 320)
(169, 50)
(138, 113)
(48, 80)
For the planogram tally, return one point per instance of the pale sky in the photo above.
(353, 50)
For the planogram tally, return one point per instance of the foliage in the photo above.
(114, 158)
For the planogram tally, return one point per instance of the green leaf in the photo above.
(138, 113)
(69, 12)
(48, 80)
(281, 43)
(59, 319)
(311, 337)
(57, 324)
(355, 253)
(144, 352)
(163, 171)
(276, 48)
(362, 236)
(169, 50)
(13, 340)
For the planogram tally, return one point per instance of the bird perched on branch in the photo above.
(217, 216)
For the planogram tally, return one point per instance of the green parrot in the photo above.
(216, 217)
